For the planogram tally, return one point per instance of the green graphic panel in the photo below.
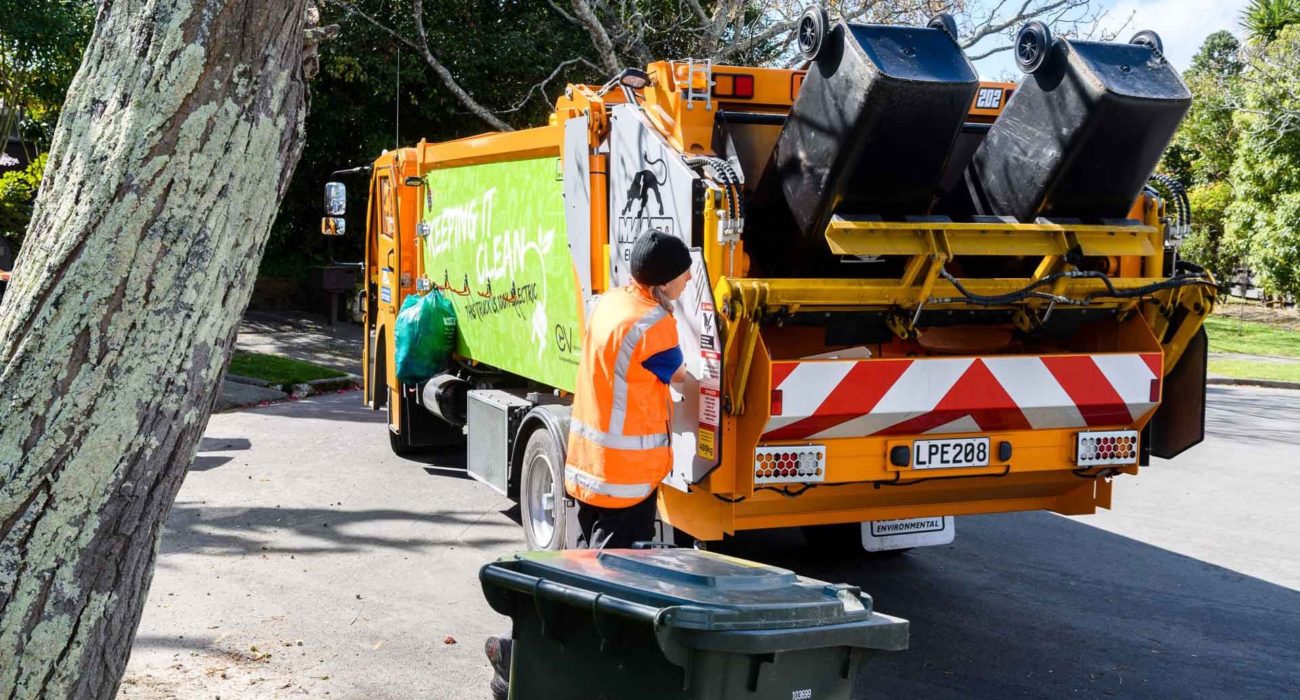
(496, 237)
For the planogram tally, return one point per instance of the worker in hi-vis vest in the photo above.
(619, 448)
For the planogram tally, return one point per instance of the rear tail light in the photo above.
(737, 86)
(1100, 448)
(790, 464)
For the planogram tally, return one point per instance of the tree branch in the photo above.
(586, 16)
(448, 80)
(541, 86)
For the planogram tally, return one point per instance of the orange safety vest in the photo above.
(619, 447)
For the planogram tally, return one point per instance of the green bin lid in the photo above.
(700, 590)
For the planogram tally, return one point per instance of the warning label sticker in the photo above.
(708, 327)
(710, 368)
(706, 444)
(710, 406)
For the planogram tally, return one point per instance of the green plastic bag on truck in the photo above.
(425, 337)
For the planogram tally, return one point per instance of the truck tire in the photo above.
(543, 508)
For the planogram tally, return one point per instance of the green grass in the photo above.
(1251, 337)
(278, 370)
(1256, 369)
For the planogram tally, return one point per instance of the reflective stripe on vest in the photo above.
(619, 442)
(595, 484)
(618, 410)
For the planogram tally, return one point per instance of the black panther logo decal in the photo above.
(644, 183)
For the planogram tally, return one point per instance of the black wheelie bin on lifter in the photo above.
(667, 624)
(1080, 135)
(869, 134)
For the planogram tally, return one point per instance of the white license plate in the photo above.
(950, 454)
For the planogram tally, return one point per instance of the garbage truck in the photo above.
(916, 294)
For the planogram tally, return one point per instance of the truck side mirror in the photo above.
(336, 199)
(333, 226)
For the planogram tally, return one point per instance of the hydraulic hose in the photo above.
(730, 179)
(1030, 290)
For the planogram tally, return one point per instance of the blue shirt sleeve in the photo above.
(664, 364)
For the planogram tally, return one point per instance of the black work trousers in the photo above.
(617, 528)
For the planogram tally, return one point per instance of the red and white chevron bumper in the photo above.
(819, 399)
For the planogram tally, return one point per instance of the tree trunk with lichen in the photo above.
(176, 143)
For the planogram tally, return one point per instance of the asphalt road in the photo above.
(298, 535)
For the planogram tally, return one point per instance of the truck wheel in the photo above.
(542, 506)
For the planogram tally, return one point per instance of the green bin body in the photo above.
(679, 623)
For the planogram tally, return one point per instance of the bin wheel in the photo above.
(944, 21)
(1033, 43)
(1147, 37)
(813, 25)
(542, 505)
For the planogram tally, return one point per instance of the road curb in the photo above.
(1266, 383)
(251, 381)
(350, 381)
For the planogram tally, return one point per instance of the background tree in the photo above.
(1263, 221)
(176, 142)
(750, 32)
(1202, 152)
(1264, 20)
(505, 50)
(41, 42)
(17, 192)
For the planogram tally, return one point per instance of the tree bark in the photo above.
(176, 143)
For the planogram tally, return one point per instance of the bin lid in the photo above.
(706, 590)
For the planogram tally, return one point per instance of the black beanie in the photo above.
(658, 258)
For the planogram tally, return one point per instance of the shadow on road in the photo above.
(195, 529)
(1036, 605)
(203, 463)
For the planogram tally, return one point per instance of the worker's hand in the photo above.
(680, 375)
(4, 277)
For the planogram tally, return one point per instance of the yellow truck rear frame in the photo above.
(885, 370)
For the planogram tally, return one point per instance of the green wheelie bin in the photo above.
(680, 623)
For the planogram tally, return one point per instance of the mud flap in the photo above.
(1179, 423)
